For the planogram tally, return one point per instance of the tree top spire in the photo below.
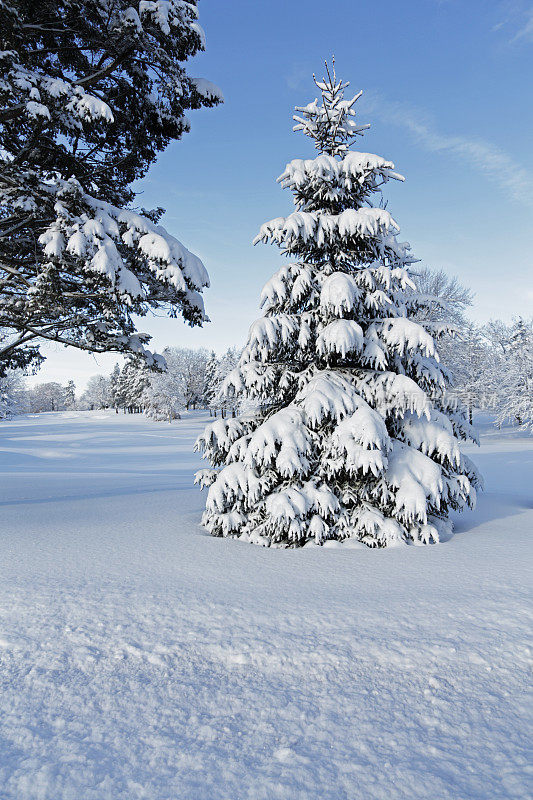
(331, 124)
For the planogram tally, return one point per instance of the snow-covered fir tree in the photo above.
(114, 379)
(70, 394)
(133, 380)
(354, 436)
(209, 389)
(120, 387)
(91, 92)
(217, 369)
(228, 403)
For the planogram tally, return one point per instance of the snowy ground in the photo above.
(140, 658)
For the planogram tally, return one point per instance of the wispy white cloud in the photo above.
(525, 33)
(299, 76)
(479, 154)
(516, 21)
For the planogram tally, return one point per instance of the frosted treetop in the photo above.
(331, 124)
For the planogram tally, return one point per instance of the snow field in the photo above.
(141, 658)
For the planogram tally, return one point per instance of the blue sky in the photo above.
(447, 90)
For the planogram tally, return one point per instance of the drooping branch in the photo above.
(77, 128)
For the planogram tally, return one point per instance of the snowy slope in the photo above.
(141, 658)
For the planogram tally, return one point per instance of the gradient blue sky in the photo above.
(448, 92)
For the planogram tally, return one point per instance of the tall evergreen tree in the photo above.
(354, 436)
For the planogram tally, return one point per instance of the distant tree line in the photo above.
(16, 398)
(192, 379)
(489, 367)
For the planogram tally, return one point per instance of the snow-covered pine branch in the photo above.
(91, 91)
(350, 433)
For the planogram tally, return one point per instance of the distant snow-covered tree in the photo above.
(443, 300)
(70, 394)
(514, 388)
(498, 334)
(130, 386)
(189, 365)
(97, 394)
(180, 385)
(166, 393)
(468, 357)
(228, 403)
(354, 435)
(216, 371)
(210, 386)
(120, 386)
(91, 92)
(114, 379)
(13, 395)
(163, 398)
(463, 349)
(48, 396)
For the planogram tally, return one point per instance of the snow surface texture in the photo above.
(143, 658)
